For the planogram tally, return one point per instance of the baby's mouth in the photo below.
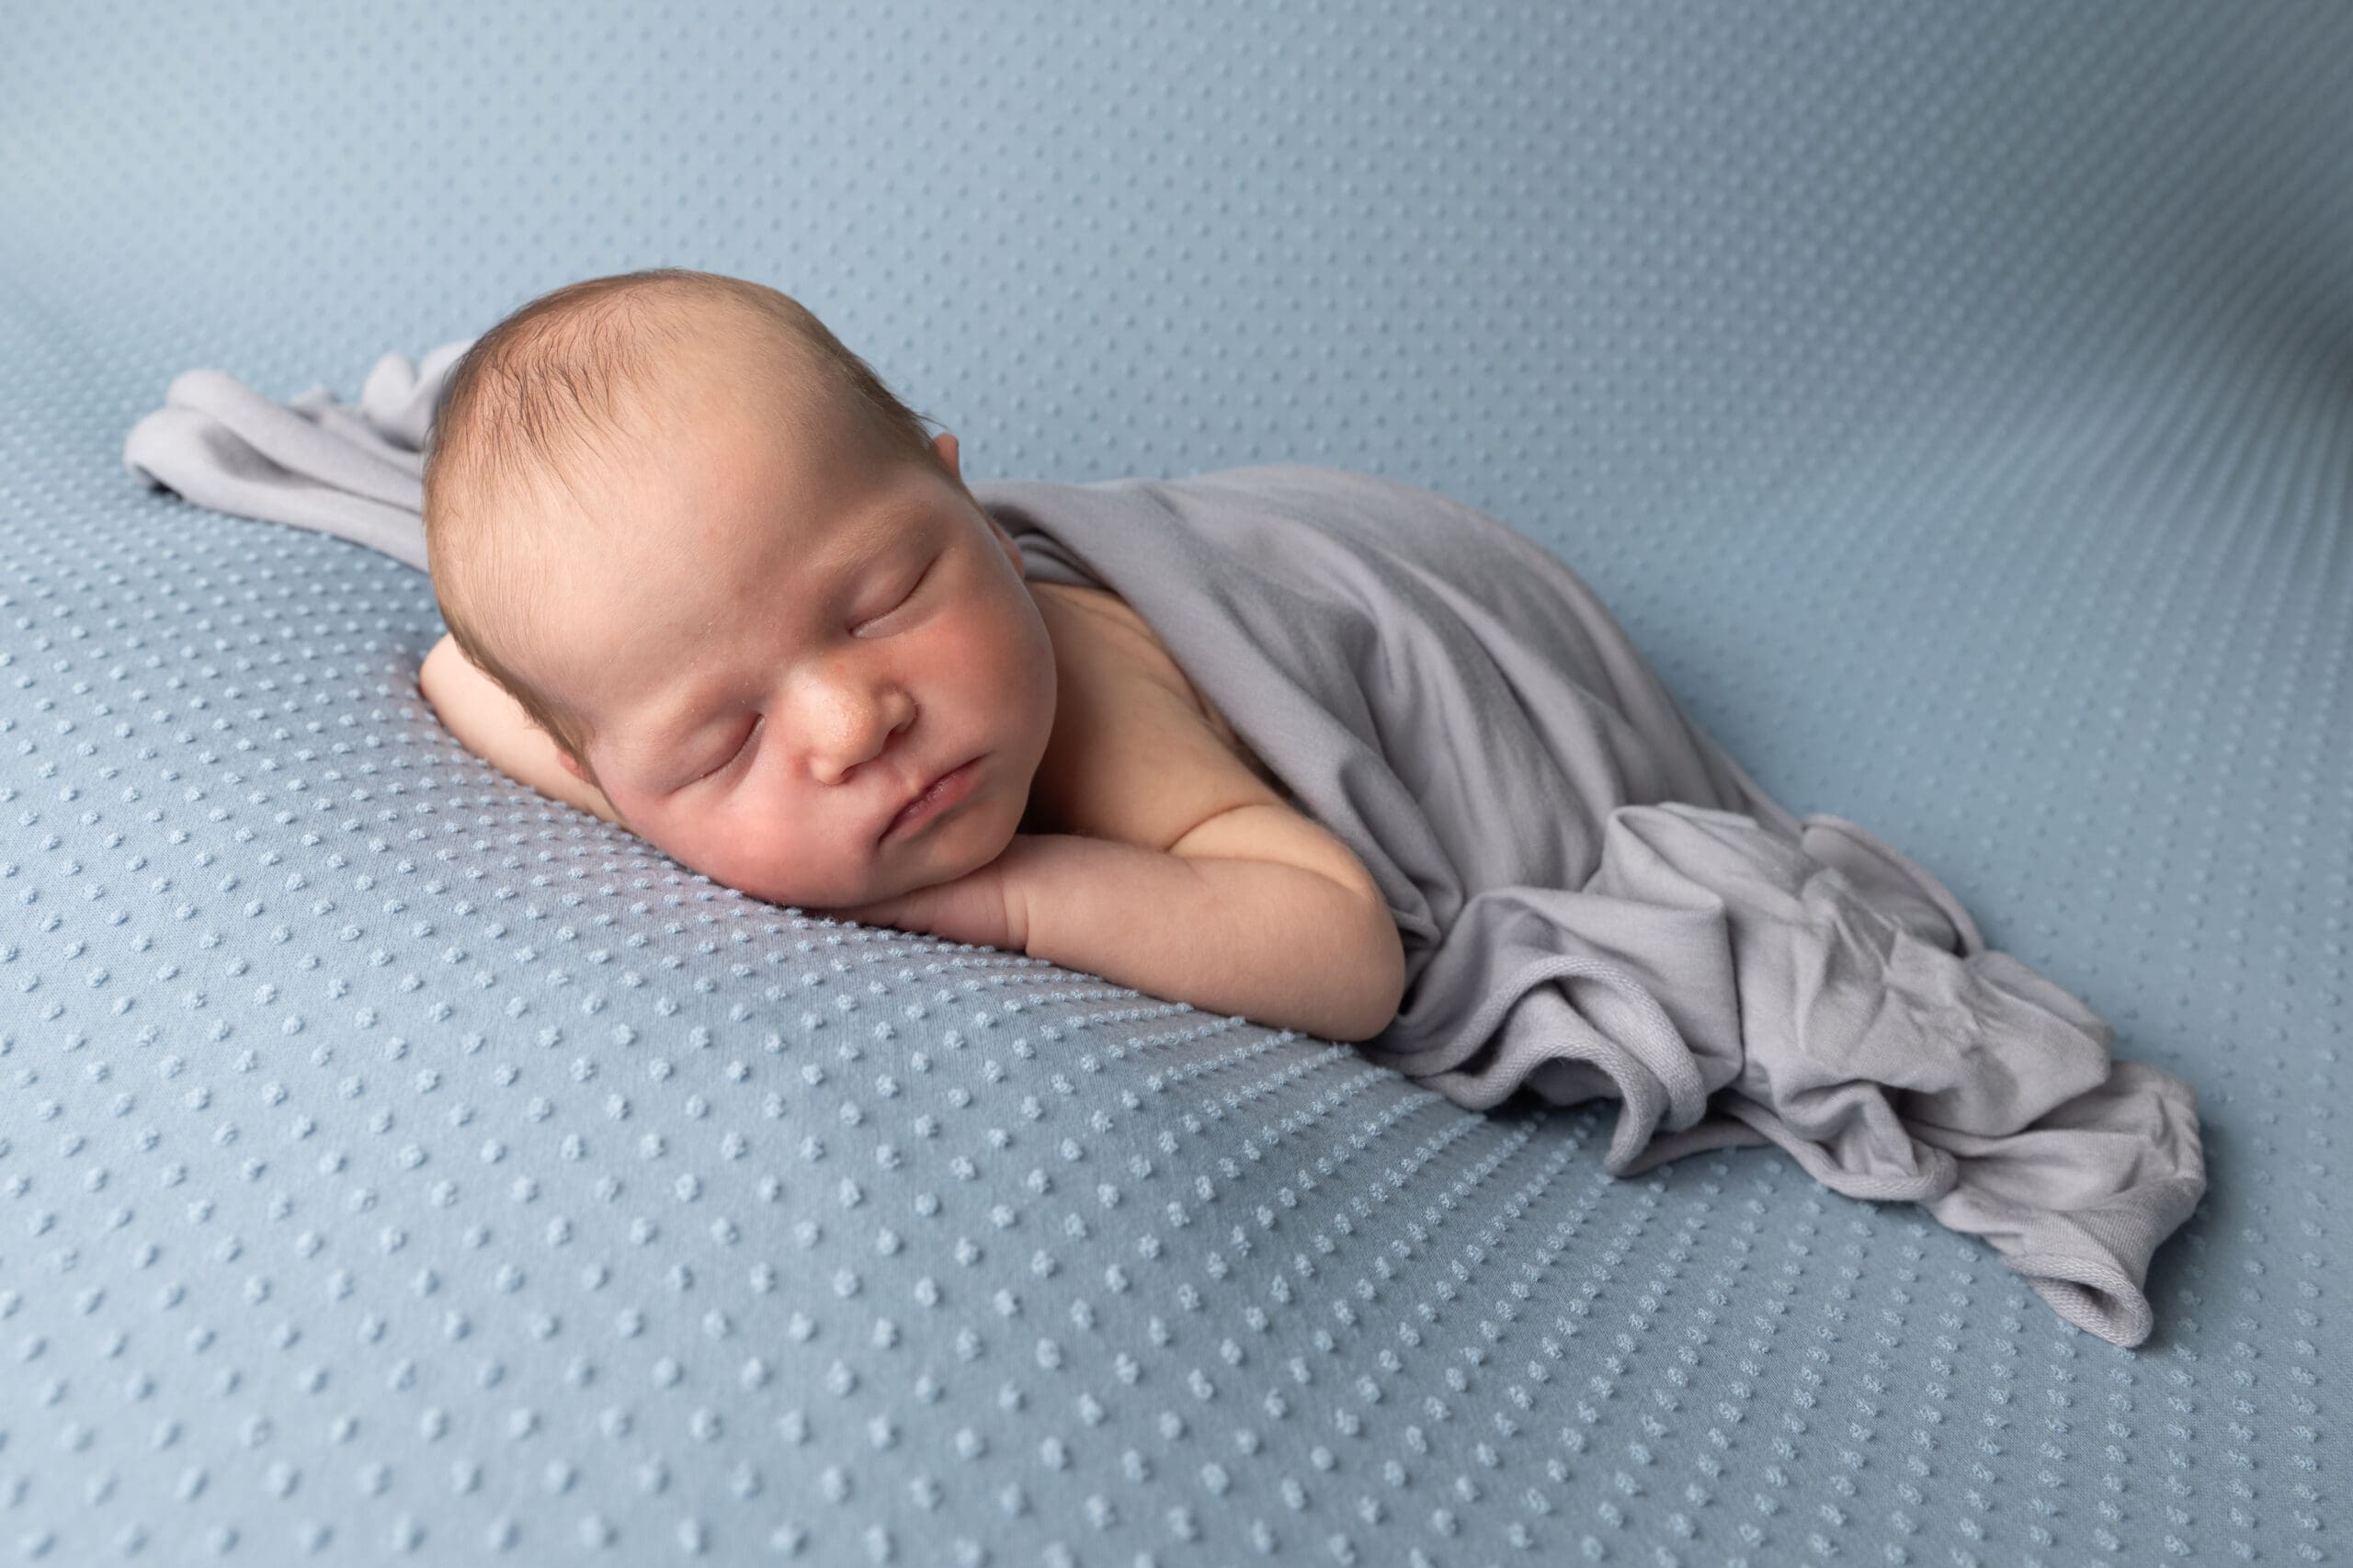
(943, 795)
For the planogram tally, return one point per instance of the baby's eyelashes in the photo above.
(904, 599)
(732, 757)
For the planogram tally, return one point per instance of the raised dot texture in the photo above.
(397, 1167)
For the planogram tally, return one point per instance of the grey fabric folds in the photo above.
(1595, 899)
(355, 471)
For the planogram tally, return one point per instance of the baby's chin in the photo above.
(882, 874)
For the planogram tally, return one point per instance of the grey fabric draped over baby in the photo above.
(1595, 901)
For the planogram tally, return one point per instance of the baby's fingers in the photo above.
(970, 909)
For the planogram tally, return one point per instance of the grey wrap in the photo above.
(1595, 899)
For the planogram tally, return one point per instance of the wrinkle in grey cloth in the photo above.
(1595, 899)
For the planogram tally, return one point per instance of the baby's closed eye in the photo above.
(752, 727)
(913, 589)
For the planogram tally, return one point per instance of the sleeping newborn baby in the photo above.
(706, 577)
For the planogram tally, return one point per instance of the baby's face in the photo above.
(790, 645)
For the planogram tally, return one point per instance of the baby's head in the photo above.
(727, 572)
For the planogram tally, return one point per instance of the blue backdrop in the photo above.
(1955, 402)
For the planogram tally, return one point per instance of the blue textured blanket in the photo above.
(1595, 899)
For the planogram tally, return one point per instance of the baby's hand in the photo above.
(984, 907)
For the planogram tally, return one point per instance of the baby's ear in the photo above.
(571, 765)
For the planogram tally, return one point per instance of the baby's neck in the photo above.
(1036, 816)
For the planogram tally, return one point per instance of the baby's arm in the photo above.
(493, 727)
(1245, 922)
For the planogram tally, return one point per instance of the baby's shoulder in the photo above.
(1110, 641)
(1135, 747)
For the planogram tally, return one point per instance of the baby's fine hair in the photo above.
(523, 408)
